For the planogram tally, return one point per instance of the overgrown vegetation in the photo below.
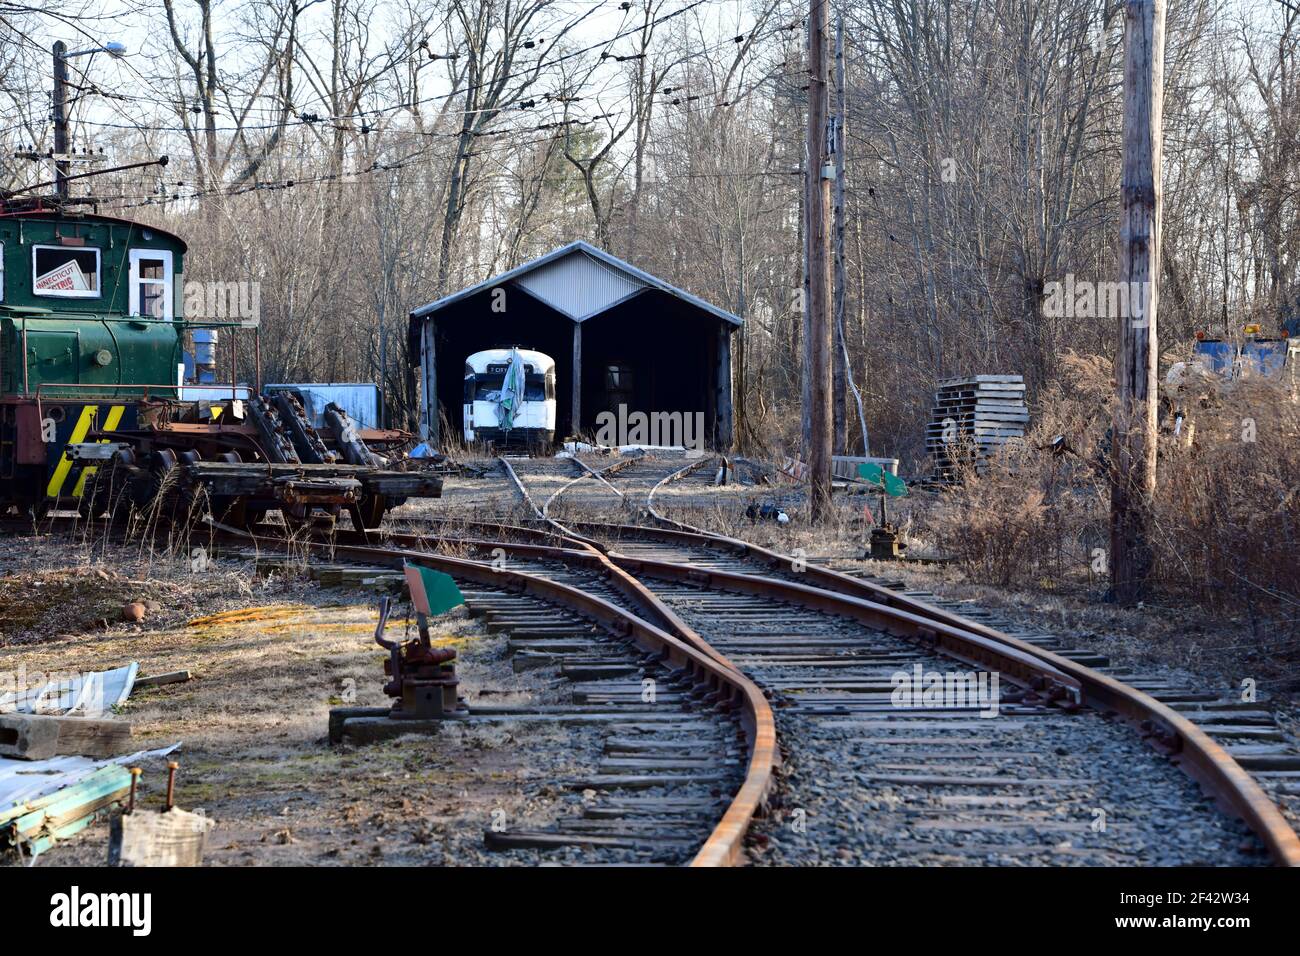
(360, 158)
(1226, 513)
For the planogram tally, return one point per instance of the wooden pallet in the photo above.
(977, 413)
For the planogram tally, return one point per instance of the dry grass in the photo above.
(255, 758)
(1225, 519)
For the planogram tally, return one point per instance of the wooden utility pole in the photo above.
(1133, 441)
(59, 101)
(839, 354)
(817, 209)
(805, 326)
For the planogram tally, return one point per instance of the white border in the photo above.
(133, 301)
(72, 293)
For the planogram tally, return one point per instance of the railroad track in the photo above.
(1079, 766)
(687, 741)
(1040, 784)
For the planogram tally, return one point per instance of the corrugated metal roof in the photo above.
(579, 286)
(580, 281)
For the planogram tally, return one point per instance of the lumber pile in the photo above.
(974, 416)
(57, 748)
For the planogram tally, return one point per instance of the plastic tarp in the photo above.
(511, 394)
(1264, 358)
(81, 695)
(359, 399)
(1214, 356)
(22, 781)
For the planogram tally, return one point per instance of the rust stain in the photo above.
(274, 612)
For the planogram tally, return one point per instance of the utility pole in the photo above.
(1133, 436)
(817, 209)
(59, 100)
(805, 318)
(61, 166)
(839, 354)
(739, 335)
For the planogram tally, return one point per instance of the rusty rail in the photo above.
(1190, 748)
(686, 650)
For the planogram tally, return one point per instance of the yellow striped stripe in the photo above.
(114, 417)
(64, 466)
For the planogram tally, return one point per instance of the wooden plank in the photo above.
(172, 838)
(157, 680)
(68, 804)
(40, 736)
(1005, 379)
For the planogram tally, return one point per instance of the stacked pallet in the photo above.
(975, 415)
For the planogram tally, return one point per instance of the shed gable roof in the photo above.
(578, 281)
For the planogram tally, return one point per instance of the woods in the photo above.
(358, 159)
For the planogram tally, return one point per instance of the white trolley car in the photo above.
(530, 422)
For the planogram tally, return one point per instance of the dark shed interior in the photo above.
(664, 355)
(470, 326)
(640, 343)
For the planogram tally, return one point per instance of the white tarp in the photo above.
(22, 781)
(81, 695)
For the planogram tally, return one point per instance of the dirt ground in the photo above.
(270, 657)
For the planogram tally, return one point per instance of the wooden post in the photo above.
(817, 183)
(430, 421)
(839, 355)
(1133, 442)
(725, 393)
(575, 421)
(738, 388)
(805, 329)
(59, 102)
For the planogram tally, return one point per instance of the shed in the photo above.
(619, 336)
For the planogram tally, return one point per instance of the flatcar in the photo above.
(95, 409)
(527, 422)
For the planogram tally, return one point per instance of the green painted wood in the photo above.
(432, 591)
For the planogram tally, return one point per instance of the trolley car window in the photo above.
(2, 271)
(485, 383)
(151, 283)
(64, 272)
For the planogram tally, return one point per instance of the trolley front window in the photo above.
(70, 273)
(486, 383)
